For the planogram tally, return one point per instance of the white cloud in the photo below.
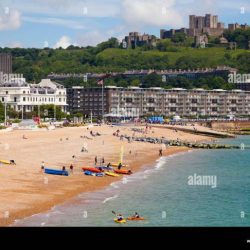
(9, 19)
(46, 44)
(56, 21)
(148, 12)
(92, 38)
(63, 42)
(15, 45)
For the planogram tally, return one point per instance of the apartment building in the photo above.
(138, 102)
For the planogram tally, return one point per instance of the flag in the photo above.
(100, 82)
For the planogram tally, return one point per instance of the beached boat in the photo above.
(121, 171)
(5, 162)
(111, 174)
(104, 168)
(56, 172)
(90, 173)
(116, 165)
(91, 169)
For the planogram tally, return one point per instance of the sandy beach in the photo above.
(25, 190)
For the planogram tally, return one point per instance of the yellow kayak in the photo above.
(116, 165)
(120, 221)
(111, 174)
(5, 162)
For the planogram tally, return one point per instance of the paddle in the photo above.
(114, 212)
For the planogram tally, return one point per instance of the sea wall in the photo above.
(229, 125)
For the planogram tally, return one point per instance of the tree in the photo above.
(1, 112)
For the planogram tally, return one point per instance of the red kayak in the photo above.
(122, 171)
(94, 170)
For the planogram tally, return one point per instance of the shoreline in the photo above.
(24, 192)
(71, 197)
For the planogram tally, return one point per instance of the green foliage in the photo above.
(48, 111)
(240, 36)
(1, 112)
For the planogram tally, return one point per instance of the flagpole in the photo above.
(103, 101)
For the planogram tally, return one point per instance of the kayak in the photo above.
(133, 218)
(120, 171)
(90, 173)
(95, 170)
(120, 221)
(56, 172)
(5, 162)
(111, 174)
(86, 172)
(102, 168)
(116, 165)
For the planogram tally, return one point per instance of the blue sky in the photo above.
(54, 23)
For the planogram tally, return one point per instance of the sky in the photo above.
(60, 23)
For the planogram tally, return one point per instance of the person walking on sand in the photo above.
(95, 160)
(119, 166)
(103, 160)
(42, 166)
(160, 152)
(71, 167)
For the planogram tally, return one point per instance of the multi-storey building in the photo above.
(5, 63)
(135, 102)
(22, 96)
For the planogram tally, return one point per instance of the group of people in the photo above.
(120, 216)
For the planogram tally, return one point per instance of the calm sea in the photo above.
(163, 194)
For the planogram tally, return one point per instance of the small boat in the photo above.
(5, 162)
(111, 174)
(116, 165)
(56, 172)
(90, 173)
(91, 169)
(104, 168)
(134, 218)
(121, 171)
(120, 221)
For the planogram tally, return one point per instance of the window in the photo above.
(214, 109)
(194, 101)
(173, 100)
(24, 92)
(233, 101)
(172, 109)
(24, 99)
(129, 100)
(214, 101)
(7, 92)
(194, 109)
(151, 100)
(151, 109)
(234, 109)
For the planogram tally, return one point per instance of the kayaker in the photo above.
(119, 217)
(136, 215)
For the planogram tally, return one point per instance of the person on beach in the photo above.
(73, 156)
(119, 166)
(12, 162)
(42, 166)
(71, 167)
(24, 137)
(63, 168)
(95, 160)
(160, 152)
(103, 160)
(109, 164)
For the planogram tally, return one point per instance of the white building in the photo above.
(20, 95)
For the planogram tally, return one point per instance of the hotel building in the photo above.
(135, 102)
(22, 96)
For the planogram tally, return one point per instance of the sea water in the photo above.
(164, 195)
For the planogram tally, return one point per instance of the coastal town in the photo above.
(65, 133)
